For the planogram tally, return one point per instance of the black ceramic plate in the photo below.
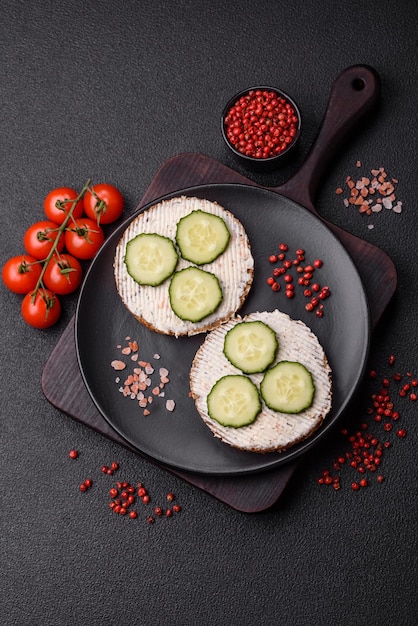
(180, 439)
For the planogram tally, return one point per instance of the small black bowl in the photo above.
(260, 163)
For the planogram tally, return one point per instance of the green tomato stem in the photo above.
(54, 246)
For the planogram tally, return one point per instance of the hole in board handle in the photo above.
(358, 84)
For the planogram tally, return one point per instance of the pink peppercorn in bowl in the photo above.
(261, 125)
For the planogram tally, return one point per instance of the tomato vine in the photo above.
(54, 246)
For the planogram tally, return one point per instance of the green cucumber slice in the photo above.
(201, 237)
(194, 294)
(150, 258)
(288, 387)
(251, 346)
(234, 401)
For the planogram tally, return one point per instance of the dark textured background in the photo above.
(111, 90)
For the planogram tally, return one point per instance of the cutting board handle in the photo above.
(353, 93)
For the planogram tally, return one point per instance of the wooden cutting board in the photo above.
(63, 386)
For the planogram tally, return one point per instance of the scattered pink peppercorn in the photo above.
(284, 267)
(366, 449)
(73, 454)
(124, 494)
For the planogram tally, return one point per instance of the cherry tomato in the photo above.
(56, 205)
(39, 239)
(63, 274)
(103, 203)
(42, 310)
(21, 273)
(84, 238)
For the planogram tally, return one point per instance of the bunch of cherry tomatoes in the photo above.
(71, 232)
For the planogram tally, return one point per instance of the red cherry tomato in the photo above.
(103, 203)
(63, 274)
(59, 201)
(84, 238)
(39, 239)
(21, 273)
(42, 310)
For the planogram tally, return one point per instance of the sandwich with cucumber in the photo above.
(262, 383)
(184, 266)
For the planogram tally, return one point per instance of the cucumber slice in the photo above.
(150, 258)
(251, 346)
(194, 294)
(201, 237)
(234, 401)
(288, 387)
